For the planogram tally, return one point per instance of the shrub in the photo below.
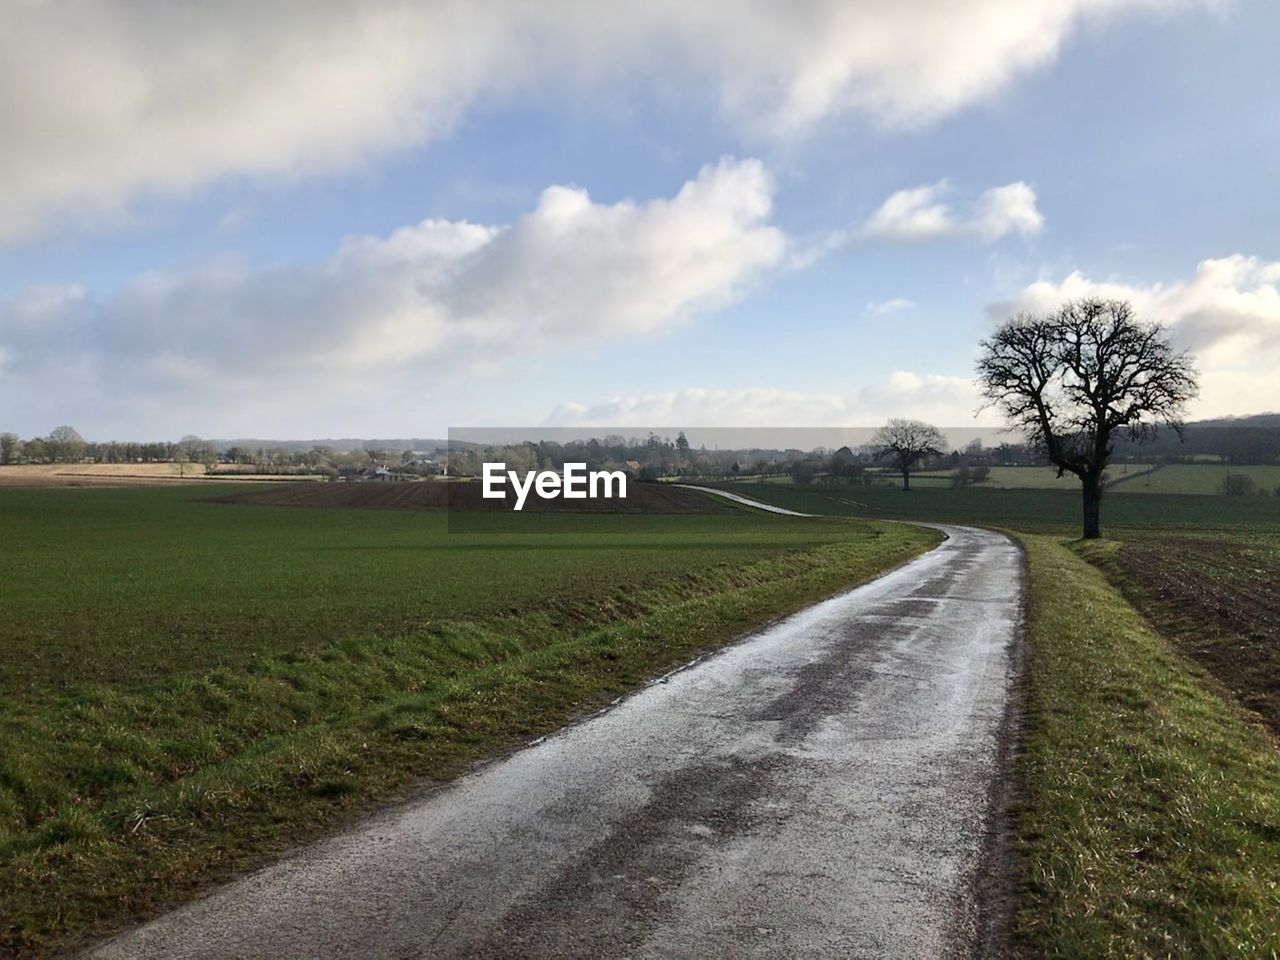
(1237, 485)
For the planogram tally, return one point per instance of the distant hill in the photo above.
(1269, 421)
(1251, 439)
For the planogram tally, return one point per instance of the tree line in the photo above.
(64, 444)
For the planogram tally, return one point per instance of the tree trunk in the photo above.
(1092, 506)
(906, 478)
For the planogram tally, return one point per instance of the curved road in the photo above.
(827, 787)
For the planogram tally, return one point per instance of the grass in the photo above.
(1128, 478)
(188, 686)
(1216, 599)
(1031, 510)
(1148, 821)
(1150, 814)
(1200, 478)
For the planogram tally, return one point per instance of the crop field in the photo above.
(1182, 478)
(127, 474)
(466, 497)
(1216, 598)
(186, 685)
(1031, 510)
(1046, 478)
(1149, 806)
(1200, 478)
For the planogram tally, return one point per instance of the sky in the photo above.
(318, 219)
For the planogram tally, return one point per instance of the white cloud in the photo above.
(885, 307)
(1227, 314)
(108, 99)
(945, 400)
(921, 213)
(435, 296)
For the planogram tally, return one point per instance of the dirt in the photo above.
(465, 497)
(122, 475)
(1219, 601)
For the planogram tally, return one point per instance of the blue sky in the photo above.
(176, 254)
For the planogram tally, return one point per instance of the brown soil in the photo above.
(123, 475)
(465, 497)
(1219, 601)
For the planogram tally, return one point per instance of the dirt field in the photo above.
(464, 497)
(121, 474)
(1219, 600)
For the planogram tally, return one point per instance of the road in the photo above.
(745, 501)
(827, 787)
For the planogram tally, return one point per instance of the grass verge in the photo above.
(116, 799)
(1149, 819)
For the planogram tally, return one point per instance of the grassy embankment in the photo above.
(1149, 816)
(185, 686)
(1149, 810)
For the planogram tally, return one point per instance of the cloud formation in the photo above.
(885, 307)
(1227, 313)
(435, 296)
(945, 400)
(107, 100)
(921, 214)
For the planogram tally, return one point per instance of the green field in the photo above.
(1046, 478)
(1200, 478)
(1182, 478)
(187, 685)
(1031, 510)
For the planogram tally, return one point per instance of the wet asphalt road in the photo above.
(824, 788)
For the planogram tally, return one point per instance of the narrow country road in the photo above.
(827, 787)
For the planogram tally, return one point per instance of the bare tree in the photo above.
(65, 445)
(209, 457)
(9, 446)
(906, 443)
(1071, 380)
(191, 448)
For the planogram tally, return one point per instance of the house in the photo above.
(425, 466)
(372, 474)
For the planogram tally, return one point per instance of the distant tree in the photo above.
(682, 445)
(845, 465)
(36, 450)
(191, 447)
(10, 447)
(1075, 379)
(963, 476)
(208, 456)
(65, 445)
(905, 443)
(1238, 485)
(803, 472)
(736, 468)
